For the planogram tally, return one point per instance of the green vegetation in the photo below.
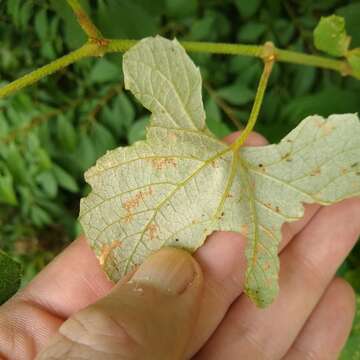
(52, 132)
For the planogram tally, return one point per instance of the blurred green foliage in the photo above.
(10, 278)
(53, 131)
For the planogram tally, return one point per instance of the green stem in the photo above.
(96, 47)
(312, 60)
(257, 104)
(86, 50)
(83, 19)
(295, 57)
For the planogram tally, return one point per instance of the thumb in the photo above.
(151, 316)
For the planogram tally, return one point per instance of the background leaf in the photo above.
(330, 36)
(10, 276)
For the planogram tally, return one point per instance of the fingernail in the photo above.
(170, 270)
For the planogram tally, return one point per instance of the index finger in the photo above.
(73, 280)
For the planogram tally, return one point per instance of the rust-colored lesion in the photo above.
(107, 249)
(316, 171)
(152, 231)
(325, 127)
(244, 230)
(163, 163)
(215, 163)
(172, 137)
(133, 202)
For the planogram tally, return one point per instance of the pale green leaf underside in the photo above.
(181, 183)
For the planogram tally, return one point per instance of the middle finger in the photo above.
(307, 266)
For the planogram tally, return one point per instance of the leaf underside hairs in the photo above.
(182, 183)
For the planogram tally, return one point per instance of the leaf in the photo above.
(126, 19)
(351, 13)
(104, 71)
(7, 191)
(10, 276)
(103, 139)
(248, 8)
(138, 130)
(64, 179)
(39, 216)
(251, 31)
(203, 28)
(74, 36)
(214, 121)
(180, 8)
(124, 112)
(181, 183)
(48, 183)
(16, 165)
(237, 93)
(86, 152)
(351, 350)
(353, 57)
(330, 35)
(41, 24)
(325, 102)
(66, 133)
(304, 79)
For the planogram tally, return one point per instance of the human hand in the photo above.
(172, 308)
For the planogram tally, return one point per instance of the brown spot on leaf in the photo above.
(269, 206)
(152, 231)
(172, 137)
(128, 218)
(286, 157)
(325, 127)
(107, 249)
(163, 163)
(133, 202)
(316, 171)
(277, 209)
(244, 230)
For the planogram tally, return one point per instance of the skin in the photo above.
(176, 306)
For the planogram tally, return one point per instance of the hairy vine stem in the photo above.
(97, 45)
(85, 22)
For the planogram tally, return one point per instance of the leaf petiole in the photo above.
(84, 21)
(269, 60)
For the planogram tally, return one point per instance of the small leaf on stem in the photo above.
(330, 36)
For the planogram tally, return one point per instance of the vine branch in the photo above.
(84, 21)
(97, 45)
(86, 50)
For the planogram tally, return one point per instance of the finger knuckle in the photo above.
(98, 330)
